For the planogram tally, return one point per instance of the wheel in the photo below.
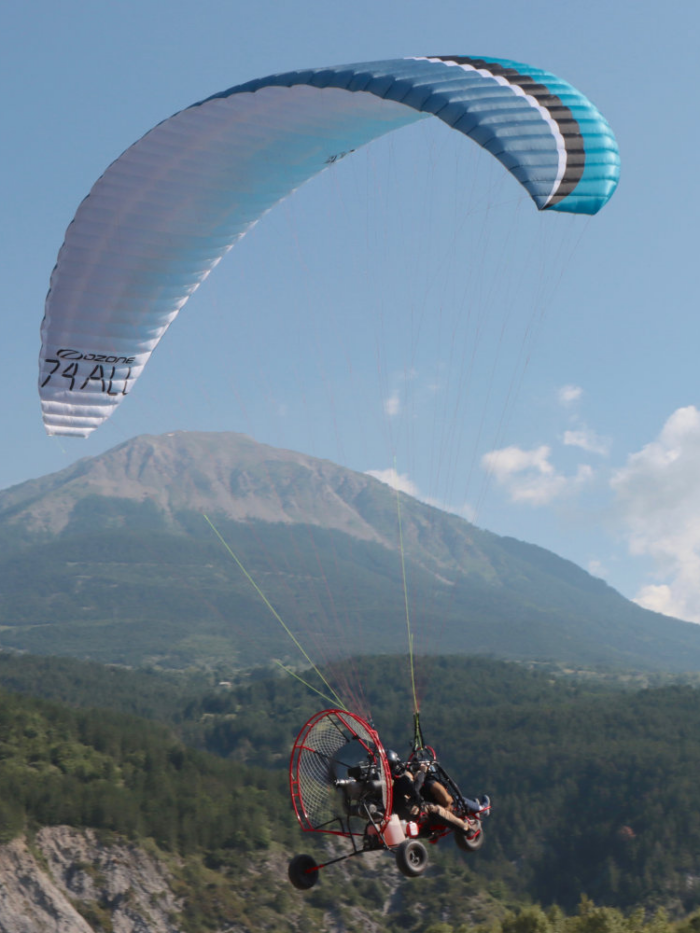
(303, 872)
(469, 842)
(411, 858)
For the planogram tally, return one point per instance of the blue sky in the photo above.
(409, 312)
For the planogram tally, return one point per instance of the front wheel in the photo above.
(411, 858)
(470, 842)
(303, 872)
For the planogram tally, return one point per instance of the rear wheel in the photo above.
(411, 858)
(303, 872)
(471, 841)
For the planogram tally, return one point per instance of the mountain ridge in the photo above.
(147, 469)
(119, 541)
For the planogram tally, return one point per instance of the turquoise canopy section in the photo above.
(166, 211)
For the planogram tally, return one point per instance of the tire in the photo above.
(411, 858)
(467, 844)
(302, 872)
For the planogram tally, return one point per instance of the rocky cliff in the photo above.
(67, 881)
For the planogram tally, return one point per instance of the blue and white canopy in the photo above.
(165, 212)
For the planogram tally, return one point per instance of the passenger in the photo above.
(410, 791)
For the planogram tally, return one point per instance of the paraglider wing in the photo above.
(166, 211)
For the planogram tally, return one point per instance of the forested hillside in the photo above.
(594, 787)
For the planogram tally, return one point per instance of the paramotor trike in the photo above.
(341, 783)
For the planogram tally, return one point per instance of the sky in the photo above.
(408, 313)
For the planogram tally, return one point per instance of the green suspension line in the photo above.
(409, 633)
(276, 616)
(418, 740)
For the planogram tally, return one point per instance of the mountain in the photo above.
(115, 558)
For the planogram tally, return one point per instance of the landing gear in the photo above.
(411, 858)
(471, 841)
(303, 872)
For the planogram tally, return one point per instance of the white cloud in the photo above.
(528, 476)
(587, 440)
(658, 501)
(396, 480)
(404, 483)
(597, 569)
(569, 394)
(660, 598)
(392, 405)
(466, 511)
(509, 460)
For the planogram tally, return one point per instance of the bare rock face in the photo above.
(68, 881)
(30, 902)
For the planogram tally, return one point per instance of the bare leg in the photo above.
(434, 809)
(439, 794)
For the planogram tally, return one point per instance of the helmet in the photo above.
(396, 766)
